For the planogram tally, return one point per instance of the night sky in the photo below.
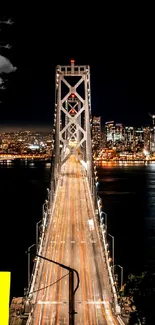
(117, 43)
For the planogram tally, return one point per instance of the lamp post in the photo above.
(71, 287)
(121, 267)
(37, 232)
(43, 207)
(112, 249)
(48, 193)
(52, 188)
(29, 263)
(102, 212)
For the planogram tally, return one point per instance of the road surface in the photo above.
(73, 239)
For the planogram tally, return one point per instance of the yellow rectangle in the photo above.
(5, 278)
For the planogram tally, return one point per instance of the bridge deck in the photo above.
(75, 241)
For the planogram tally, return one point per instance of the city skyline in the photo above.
(114, 138)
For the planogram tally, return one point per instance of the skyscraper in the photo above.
(128, 134)
(96, 132)
(152, 135)
(147, 138)
(110, 131)
(118, 132)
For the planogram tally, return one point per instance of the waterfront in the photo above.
(128, 193)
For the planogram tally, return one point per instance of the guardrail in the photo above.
(98, 206)
(39, 250)
(103, 232)
(47, 215)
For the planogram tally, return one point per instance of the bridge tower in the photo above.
(73, 117)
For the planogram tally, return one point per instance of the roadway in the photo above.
(76, 242)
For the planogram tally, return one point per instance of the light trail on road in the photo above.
(73, 239)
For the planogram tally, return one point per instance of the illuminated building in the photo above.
(128, 134)
(139, 135)
(114, 134)
(118, 132)
(152, 139)
(138, 139)
(152, 135)
(110, 131)
(147, 138)
(96, 132)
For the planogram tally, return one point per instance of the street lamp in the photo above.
(43, 207)
(37, 232)
(52, 188)
(48, 193)
(29, 262)
(101, 215)
(112, 249)
(121, 267)
(71, 287)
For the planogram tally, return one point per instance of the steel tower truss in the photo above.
(73, 116)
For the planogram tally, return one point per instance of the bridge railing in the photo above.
(97, 209)
(45, 219)
(38, 250)
(92, 185)
(45, 222)
(36, 266)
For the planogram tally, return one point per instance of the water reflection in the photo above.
(124, 163)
